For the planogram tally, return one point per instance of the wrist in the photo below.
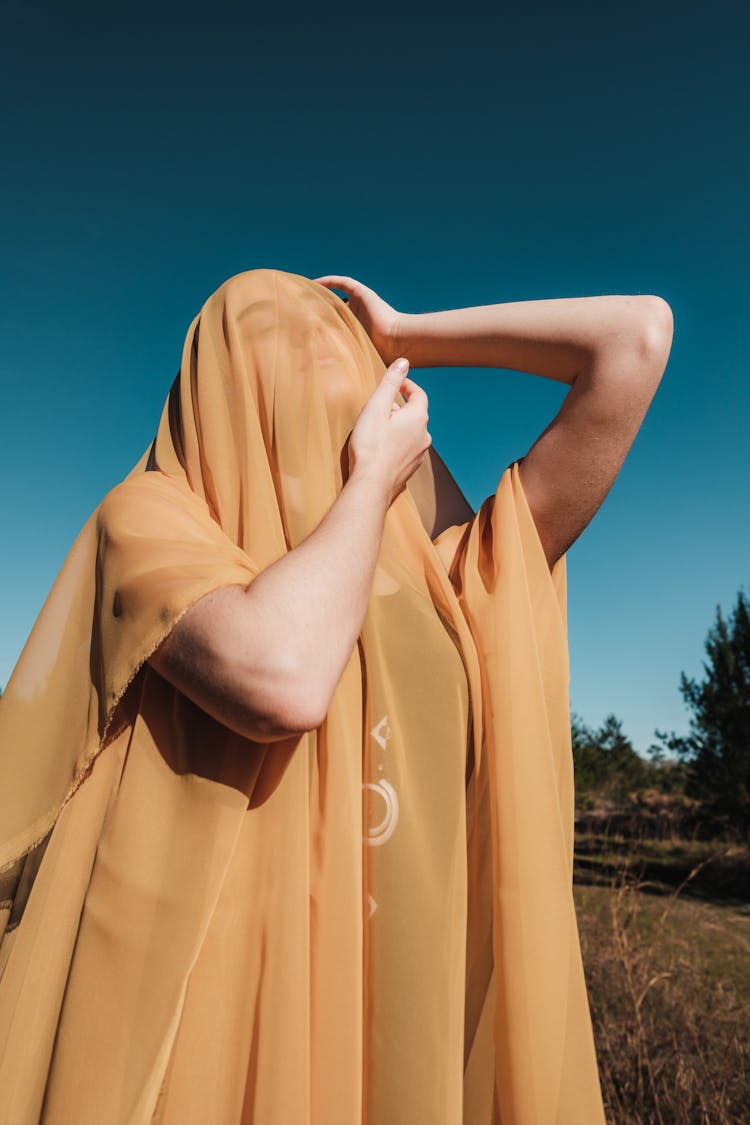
(405, 338)
(372, 486)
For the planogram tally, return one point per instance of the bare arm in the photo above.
(611, 350)
(265, 660)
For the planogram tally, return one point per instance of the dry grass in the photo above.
(669, 984)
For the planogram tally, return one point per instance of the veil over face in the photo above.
(275, 372)
(369, 921)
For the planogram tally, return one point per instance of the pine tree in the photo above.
(717, 749)
(606, 765)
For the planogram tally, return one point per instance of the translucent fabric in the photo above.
(370, 922)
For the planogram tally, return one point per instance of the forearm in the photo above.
(554, 338)
(315, 597)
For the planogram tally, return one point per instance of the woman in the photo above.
(286, 801)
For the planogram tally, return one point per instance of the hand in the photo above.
(380, 321)
(389, 441)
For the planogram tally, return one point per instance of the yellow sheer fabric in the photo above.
(371, 922)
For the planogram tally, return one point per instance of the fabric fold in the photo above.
(516, 609)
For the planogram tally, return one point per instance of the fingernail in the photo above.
(402, 365)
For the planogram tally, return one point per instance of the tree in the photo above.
(605, 763)
(717, 750)
(586, 758)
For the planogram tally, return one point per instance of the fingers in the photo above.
(339, 281)
(395, 380)
(389, 386)
(414, 394)
(395, 374)
(336, 281)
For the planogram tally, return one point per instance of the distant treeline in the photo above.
(703, 779)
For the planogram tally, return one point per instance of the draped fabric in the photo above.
(368, 922)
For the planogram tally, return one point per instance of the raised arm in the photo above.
(611, 350)
(572, 465)
(265, 660)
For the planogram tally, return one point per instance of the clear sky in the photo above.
(447, 158)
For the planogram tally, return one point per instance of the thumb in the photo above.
(391, 382)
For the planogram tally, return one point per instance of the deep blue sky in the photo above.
(513, 152)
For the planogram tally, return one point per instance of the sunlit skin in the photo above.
(611, 350)
(265, 660)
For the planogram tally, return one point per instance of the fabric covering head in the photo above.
(369, 921)
(275, 372)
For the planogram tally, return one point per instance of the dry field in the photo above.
(665, 937)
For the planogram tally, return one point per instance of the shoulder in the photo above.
(149, 488)
(151, 502)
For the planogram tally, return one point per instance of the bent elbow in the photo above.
(656, 329)
(297, 705)
(298, 710)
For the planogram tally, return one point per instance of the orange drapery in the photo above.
(395, 915)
